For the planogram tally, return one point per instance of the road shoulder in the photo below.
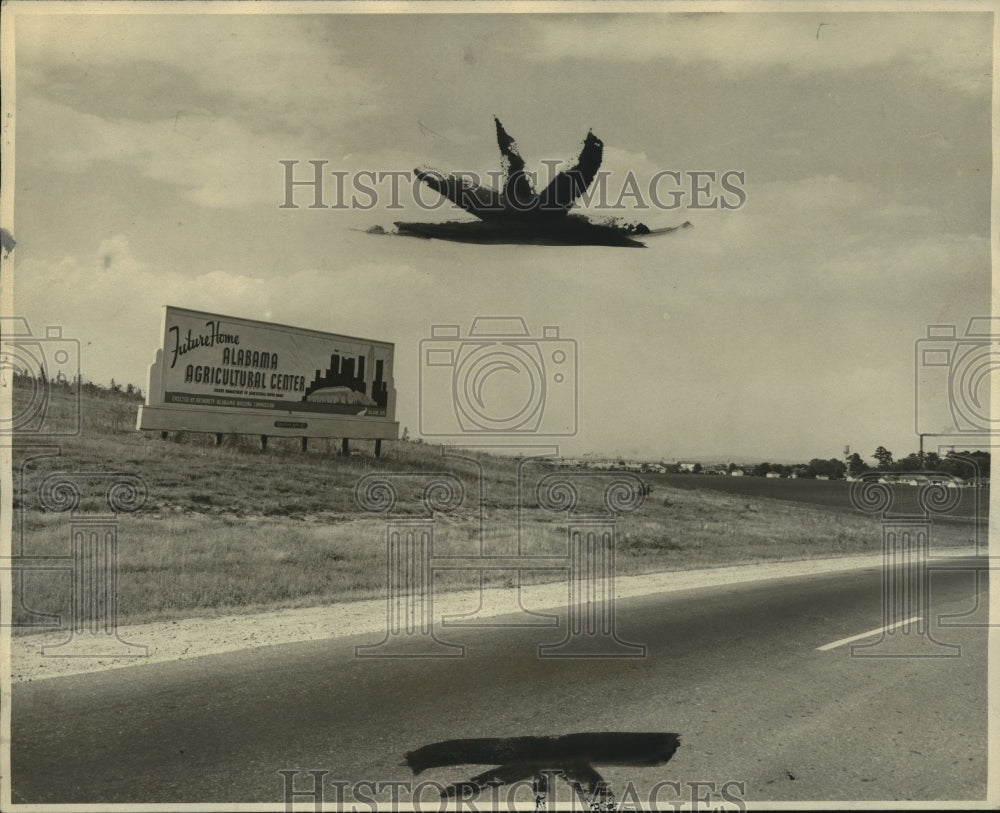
(195, 637)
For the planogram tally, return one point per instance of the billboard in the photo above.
(216, 373)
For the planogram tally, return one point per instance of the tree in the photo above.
(982, 461)
(911, 462)
(856, 466)
(884, 457)
(967, 464)
(761, 469)
(832, 468)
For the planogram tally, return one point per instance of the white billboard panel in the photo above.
(268, 379)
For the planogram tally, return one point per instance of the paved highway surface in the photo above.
(735, 670)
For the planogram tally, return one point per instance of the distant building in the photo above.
(687, 466)
(736, 473)
(773, 474)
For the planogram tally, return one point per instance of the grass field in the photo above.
(836, 494)
(229, 529)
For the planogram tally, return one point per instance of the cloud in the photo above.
(114, 302)
(759, 355)
(271, 67)
(954, 50)
(205, 104)
(859, 226)
(215, 161)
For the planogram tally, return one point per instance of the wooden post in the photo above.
(345, 447)
(218, 438)
(164, 435)
(305, 445)
(378, 447)
(263, 443)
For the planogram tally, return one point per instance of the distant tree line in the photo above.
(959, 464)
(71, 386)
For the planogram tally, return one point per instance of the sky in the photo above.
(147, 173)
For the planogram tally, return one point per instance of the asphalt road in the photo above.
(734, 670)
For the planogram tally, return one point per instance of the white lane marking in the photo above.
(868, 634)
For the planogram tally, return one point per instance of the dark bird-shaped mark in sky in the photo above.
(516, 213)
(573, 756)
(7, 242)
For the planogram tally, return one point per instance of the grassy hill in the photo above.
(229, 528)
